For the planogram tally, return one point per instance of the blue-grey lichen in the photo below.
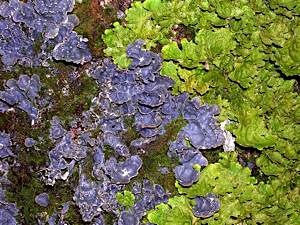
(5, 145)
(33, 32)
(21, 93)
(42, 199)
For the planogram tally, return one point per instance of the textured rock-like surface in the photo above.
(116, 143)
(56, 130)
(8, 211)
(202, 130)
(73, 49)
(88, 199)
(99, 220)
(186, 175)
(57, 217)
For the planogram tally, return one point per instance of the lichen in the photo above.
(25, 178)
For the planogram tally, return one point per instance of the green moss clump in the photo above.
(212, 155)
(25, 185)
(63, 192)
(93, 26)
(131, 134)
(23, 191)
(78, 100)
(108, 152)
(38, 44)
(155, 156)
(73, 216)
(34, 158)
(109, 218)
(87, 166)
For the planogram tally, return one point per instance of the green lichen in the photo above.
(125, 198)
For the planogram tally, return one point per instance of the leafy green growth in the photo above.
(243, 199)
(178, 211)
(125, 198)
(151, 21)
(239, 58)
(288, 56)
